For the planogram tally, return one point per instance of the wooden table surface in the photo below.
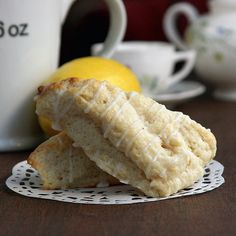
(212, 213)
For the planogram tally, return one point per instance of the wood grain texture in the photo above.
(212, 213)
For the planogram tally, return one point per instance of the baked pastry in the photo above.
(128, 135)
(62, 166)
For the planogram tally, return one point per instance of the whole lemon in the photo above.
(97, 68)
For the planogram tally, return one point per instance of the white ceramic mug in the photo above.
(29, 47)
(153, 63)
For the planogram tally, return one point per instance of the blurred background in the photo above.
(86, 25)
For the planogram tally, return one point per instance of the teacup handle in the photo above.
(169, 22)
(189, 58)
(118, 23)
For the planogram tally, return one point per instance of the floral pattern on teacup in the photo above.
(203, 37)
(150, 84)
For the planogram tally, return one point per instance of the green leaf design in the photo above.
(218, 56)
(204, 23)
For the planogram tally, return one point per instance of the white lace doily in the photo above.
(26, 181)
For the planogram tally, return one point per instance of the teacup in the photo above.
(153, 63)
(29, 49)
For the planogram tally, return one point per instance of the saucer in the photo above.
(179, 93)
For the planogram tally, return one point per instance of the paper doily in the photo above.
(26, 181)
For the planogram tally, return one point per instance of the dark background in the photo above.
(88, 20)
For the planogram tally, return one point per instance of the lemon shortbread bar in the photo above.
(61, 165)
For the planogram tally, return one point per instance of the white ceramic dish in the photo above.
(179, 93)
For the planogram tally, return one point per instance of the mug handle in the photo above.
(169, 22)
(118, 19)
(189, 58)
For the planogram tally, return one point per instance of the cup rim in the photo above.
(132, 45)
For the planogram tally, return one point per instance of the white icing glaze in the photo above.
(94, 99)
(154, 159)
(119, 95)
(177, 118)
(108, 128)
(147, 146)
(78, 93)
(60, 113)
(129, 146)
(162, 172)
(159, 109)
(112, 104)
(117, 144)
(168, 138)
